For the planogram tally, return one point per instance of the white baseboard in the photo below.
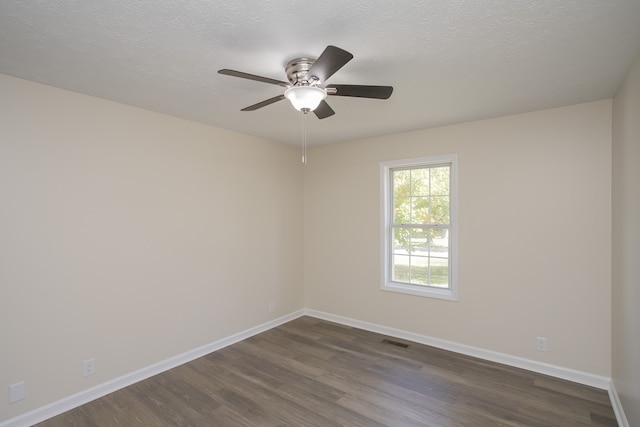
(506, 359)
(617, 406)
(68, 403)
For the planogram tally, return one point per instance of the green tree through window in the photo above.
(420, 227)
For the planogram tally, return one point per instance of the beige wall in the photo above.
(129, 237)
(534, 235)
(626, 244)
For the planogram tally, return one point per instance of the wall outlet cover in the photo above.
(17, 392)
(89, 367)
(541, 344)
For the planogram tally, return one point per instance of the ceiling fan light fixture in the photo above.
(305, 97)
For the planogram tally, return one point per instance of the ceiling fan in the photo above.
(307, 88)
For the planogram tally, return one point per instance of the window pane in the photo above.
(439, 272)
(419, 210)
(419, 256)
(419, 242)
(419, 270)
(401, 183)
(439, 243)
(439, 210)
(401, 210)
(440, 181)
(400, 268)
(401, 240)
(420, 182)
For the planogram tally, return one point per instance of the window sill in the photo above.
(404, 288)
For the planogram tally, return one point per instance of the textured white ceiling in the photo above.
(449, 61)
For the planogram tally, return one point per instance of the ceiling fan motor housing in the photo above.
(298, 72)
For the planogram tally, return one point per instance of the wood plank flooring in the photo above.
(310, 372)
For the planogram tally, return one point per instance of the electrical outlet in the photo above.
(541, 344)
(272, 307)
(89, 367)
(17, 392)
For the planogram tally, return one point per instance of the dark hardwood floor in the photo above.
(310, 372)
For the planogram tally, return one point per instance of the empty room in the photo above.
(365, 213)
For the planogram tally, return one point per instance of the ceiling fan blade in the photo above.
(331, 60)
(323, 110)
(263, 103)
(361, 91)
(234, 73)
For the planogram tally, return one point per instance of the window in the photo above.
(419, 226)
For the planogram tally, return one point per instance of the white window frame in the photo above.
(387, 216)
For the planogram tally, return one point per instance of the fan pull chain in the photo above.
(304, 135)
